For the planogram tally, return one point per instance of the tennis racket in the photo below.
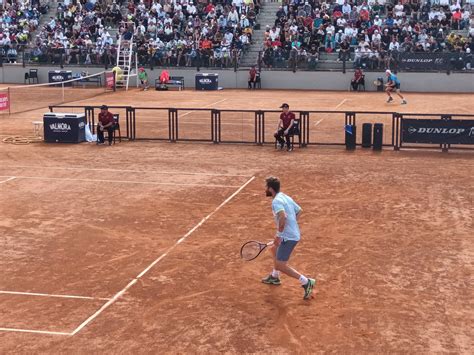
(252, 249)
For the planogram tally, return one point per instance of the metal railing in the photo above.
(255, 126)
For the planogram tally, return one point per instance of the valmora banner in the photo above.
(4, 101)
(437, 131)
(425, 61)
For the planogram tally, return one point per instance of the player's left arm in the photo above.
(298, 210)
(281, 215)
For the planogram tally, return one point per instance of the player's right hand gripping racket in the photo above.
(252, 249)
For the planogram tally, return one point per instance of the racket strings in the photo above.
(250, 250)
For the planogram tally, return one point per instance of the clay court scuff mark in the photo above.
(113, 259)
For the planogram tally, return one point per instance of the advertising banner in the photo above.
(437, 131)
(4, 101)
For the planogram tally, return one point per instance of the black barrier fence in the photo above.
(258, 126)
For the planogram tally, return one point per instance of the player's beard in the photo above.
(268, 193)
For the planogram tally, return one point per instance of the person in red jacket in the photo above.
(285, 127)
(253, 74)
(106, 123)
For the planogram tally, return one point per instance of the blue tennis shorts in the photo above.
(285, 249)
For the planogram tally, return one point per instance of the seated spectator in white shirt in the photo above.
(346, 8)
(191, 8)
(398, 9)
(233, 16)
(394, 45)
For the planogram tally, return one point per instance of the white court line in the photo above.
(120, 181)
(134, 281)
(9, 179)
(187, 113)
(32, 331)
(339, 105)
(52, 295)
(319, 121)
(160, 172)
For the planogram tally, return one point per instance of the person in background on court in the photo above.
(285, 127)
(143, 76)
(358, 79)
(118, 73)
(253, 77)
(164, 78)
(106, 123)
(393, 85)
(286, 213)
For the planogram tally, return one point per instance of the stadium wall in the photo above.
(304, 80)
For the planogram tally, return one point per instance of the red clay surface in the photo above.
(388, 237)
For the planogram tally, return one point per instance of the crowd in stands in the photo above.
(191, 33)
(78, 34)
(369, 33)
(166, 32)
(18, 19)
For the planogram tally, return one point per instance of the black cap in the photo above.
(104, 107)
(285, 106)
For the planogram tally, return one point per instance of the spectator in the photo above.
(358, 80)
(253, 76)
(143, 76)
(164, 78)
(344, 50)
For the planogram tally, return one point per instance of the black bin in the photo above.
(350, 138)
(366, 135)
(378, 136)
(380, 84)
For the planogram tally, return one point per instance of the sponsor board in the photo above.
(4, 101)
(437, 131)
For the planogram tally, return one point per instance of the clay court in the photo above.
(134, 248)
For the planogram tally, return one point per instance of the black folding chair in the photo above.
(117, 127)
(32, 76)
(294, 131)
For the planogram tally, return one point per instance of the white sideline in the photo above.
(32, 331)
(321, 120)
(206, 106)
(339, 105)
(117, 170)
(9, 179)
(119, 181)
(131, 283)
(52, 295)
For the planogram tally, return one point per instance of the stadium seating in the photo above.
(309, 34)
(184, 34)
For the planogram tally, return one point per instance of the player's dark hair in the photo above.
(274, 183)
